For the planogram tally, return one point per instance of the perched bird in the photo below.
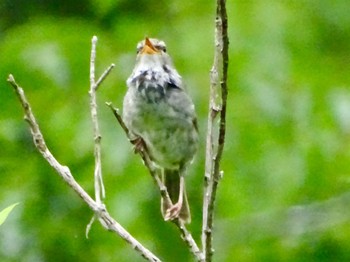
(158, 110)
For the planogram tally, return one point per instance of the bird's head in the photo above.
(151, 53)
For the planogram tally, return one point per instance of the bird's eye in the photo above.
(161, 48)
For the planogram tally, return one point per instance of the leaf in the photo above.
(4, 213)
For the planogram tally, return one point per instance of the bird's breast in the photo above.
(152, 111)
(153, 84)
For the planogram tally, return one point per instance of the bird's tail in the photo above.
(171, 179)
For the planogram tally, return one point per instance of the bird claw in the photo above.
(139, 144)
(173, 212)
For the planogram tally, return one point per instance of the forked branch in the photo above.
(215, 145)
(63, 171)
(99, 187)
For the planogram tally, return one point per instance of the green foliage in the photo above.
(5, 212)
(287, 139)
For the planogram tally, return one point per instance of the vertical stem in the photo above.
(217, 105)
(99, 188)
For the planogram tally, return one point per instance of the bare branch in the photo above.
(119, 118)
(217, 106)
(187, 237)
(104, 75)
(99, 187)
(63, 171)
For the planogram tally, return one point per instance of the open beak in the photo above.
(148, 48)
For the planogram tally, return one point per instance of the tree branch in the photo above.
(103, 76)
(187, 237)
(217, 105)
(99, 187)
(63, 171)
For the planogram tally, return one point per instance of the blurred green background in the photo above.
(286, 162)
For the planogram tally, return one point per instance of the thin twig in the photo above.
(217, 105)
(185, 234)
(115, 111)
(88, 227)
(187, 237)
(63, 171)
(99, 187)
(103, 76)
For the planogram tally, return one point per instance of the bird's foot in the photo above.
(173, 212)
(139, 144)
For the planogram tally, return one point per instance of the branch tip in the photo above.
(103, 76)
(10, 78)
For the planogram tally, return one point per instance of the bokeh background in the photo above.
(284, 192)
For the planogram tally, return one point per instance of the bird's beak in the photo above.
(148, 48)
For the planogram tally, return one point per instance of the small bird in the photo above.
(157, 110)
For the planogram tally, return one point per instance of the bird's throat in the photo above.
(151, 85)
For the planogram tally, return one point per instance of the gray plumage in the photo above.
(158, 109)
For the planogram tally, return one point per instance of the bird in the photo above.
(158, 110)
